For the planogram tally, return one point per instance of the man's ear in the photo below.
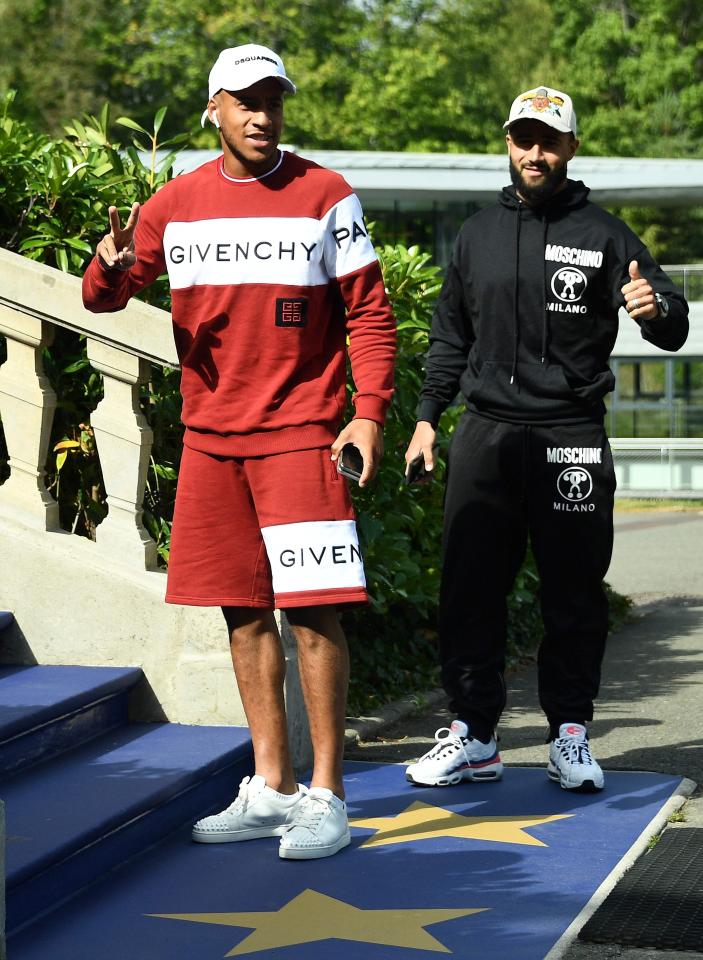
(574, 147)
(212, 113)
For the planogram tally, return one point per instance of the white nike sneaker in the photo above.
(320, 827)
(258, 811)
(570, 762)
(456, 756)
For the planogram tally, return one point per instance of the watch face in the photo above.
(662, 303)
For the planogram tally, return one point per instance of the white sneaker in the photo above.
(258, 811)
(320, 827)
(570, 761)
(456, 756)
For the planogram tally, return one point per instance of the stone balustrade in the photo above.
(34, 299)
(81, 602)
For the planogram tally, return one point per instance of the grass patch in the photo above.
(636, 504)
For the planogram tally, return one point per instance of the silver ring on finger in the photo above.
(635, 303)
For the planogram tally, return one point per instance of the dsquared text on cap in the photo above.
(257, 57)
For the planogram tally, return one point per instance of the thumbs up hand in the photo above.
(639, 296)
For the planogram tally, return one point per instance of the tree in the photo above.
(59, 57)
(168, 52)
(635, 69)
(433, 75)
(420, 75)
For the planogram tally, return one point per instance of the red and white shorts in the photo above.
(263, 532)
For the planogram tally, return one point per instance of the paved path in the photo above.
(658, 554)
(650, 711)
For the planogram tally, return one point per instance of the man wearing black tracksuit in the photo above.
(524, 327)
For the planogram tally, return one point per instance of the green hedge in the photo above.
(54, 195)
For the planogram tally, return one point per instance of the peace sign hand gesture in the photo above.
(116, 249)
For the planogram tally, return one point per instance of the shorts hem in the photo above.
(320, 598)
(219, 602)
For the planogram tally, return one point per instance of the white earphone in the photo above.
(215, 119)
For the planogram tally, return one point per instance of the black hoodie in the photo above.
(528, 313)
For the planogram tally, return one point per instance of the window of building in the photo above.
(656, 398)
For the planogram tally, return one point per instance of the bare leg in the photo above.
(323, 659)
(259, 666)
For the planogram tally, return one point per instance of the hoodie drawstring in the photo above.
(545, 319)
(516, 322)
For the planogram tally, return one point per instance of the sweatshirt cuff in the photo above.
(104, 277)
(430, 410)
(368, 407)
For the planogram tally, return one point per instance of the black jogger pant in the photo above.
(506, 482)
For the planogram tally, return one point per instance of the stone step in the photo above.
(45, 710)
(74, 817)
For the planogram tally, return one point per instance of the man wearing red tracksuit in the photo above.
(271, 269)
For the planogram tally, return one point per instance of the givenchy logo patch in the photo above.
(236, 251)
(338, 553)
(291, 250)
(314, 555)
(291, 313)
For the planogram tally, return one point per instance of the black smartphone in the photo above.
(416, 472)
(350, 463)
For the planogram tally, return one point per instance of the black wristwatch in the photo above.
(663, 305)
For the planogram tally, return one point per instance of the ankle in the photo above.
(285, 785)
(337, 787)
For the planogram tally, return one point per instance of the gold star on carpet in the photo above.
(313, 916)
(422, 821)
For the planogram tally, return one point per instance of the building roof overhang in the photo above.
(383, 178)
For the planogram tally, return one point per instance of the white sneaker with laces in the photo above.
(320, 827)
(456, 756)
(257, 811)
(570, 762)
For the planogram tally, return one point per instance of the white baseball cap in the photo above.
(546, 105)
(238, 68)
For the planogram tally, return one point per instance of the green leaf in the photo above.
(132, 125)
(76, 366)
(159, 119)
(62, 259)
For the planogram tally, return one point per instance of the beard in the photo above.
(536, 194)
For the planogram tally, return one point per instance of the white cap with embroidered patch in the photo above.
(238, 68)
(546, 105)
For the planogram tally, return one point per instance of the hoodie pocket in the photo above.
(536, 387)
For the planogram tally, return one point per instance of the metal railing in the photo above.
(657, 467)
(688, 277)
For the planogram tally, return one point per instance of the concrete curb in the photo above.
(361, 728)
(653, 828)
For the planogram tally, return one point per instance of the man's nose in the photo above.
(535, 152)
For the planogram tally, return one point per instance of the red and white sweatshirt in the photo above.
(267, 276)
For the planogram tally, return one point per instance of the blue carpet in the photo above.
(479, 871)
